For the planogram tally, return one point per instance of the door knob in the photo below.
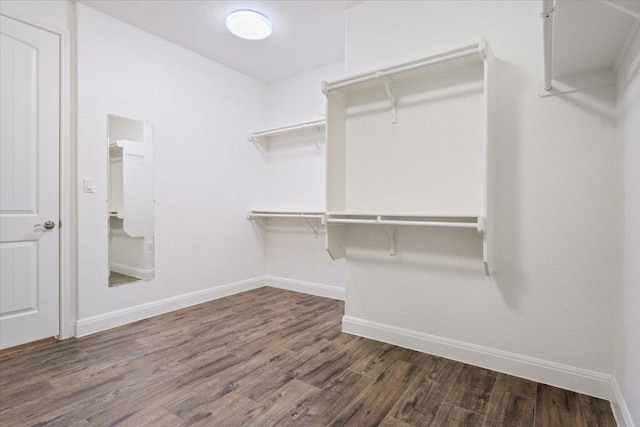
(48, 225)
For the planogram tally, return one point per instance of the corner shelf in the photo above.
(306, 215)
(410, 145)
(265, 137)
(291, 173)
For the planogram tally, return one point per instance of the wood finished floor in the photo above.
(120, 279)
(264, 358)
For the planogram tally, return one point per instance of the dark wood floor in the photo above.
(263, 358)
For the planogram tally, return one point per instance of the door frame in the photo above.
(68, 249)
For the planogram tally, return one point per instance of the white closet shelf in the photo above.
(390, 223)
(406, 214)
(284, 214)
(306, 215)
(117, 144)
(468, 55)
(407, 219)
(357, 148)
(265, 135)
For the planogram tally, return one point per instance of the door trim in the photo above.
(68, 251)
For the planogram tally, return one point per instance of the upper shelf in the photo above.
(468, 55)
(265, 136)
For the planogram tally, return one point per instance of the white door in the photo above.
(29, 181)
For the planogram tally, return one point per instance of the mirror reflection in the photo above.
(131, 201)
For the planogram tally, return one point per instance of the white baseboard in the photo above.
(138, 273)
(110, 320)
(568, 377)
(113, 319)
(327, 291)
(619, 407)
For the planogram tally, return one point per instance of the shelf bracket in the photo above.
(390, 86)
(317, 139)
(314, 229)
(482, 224)
(260, 222)
(392, 235)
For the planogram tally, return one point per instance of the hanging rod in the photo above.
(380, 221)
(548, 7)
(253, 137)
(284, 215)
(478, 49)
(306, 216)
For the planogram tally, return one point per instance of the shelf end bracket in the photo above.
(392, 234)
(390, 86)
(482, 224)
(317, 139)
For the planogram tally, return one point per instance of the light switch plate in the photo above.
(88, 185)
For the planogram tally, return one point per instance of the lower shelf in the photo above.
(409, 219)
(336, 223)
(306, 215)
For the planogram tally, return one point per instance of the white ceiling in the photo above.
(588, 35)
(306, 34)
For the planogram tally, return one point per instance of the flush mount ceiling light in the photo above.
(248, 24)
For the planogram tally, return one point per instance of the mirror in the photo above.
(131, 201)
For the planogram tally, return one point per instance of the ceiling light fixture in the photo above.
(248, 24)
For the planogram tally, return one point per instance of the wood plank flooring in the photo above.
(266, 358)
(120, 279)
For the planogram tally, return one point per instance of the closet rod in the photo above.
(398, 222)
(475, 50)
(315, 123)
(279, 215)
(548, 7)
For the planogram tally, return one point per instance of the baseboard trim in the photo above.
(318, 289)
(619, 407)
(555, 374)
(102, 322)
(113, 319)
(138, 273)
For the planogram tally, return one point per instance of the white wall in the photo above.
(205, 173)
(551, 298)
(55, 13)
(627, 373)
(297, 173)
(299, 98)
